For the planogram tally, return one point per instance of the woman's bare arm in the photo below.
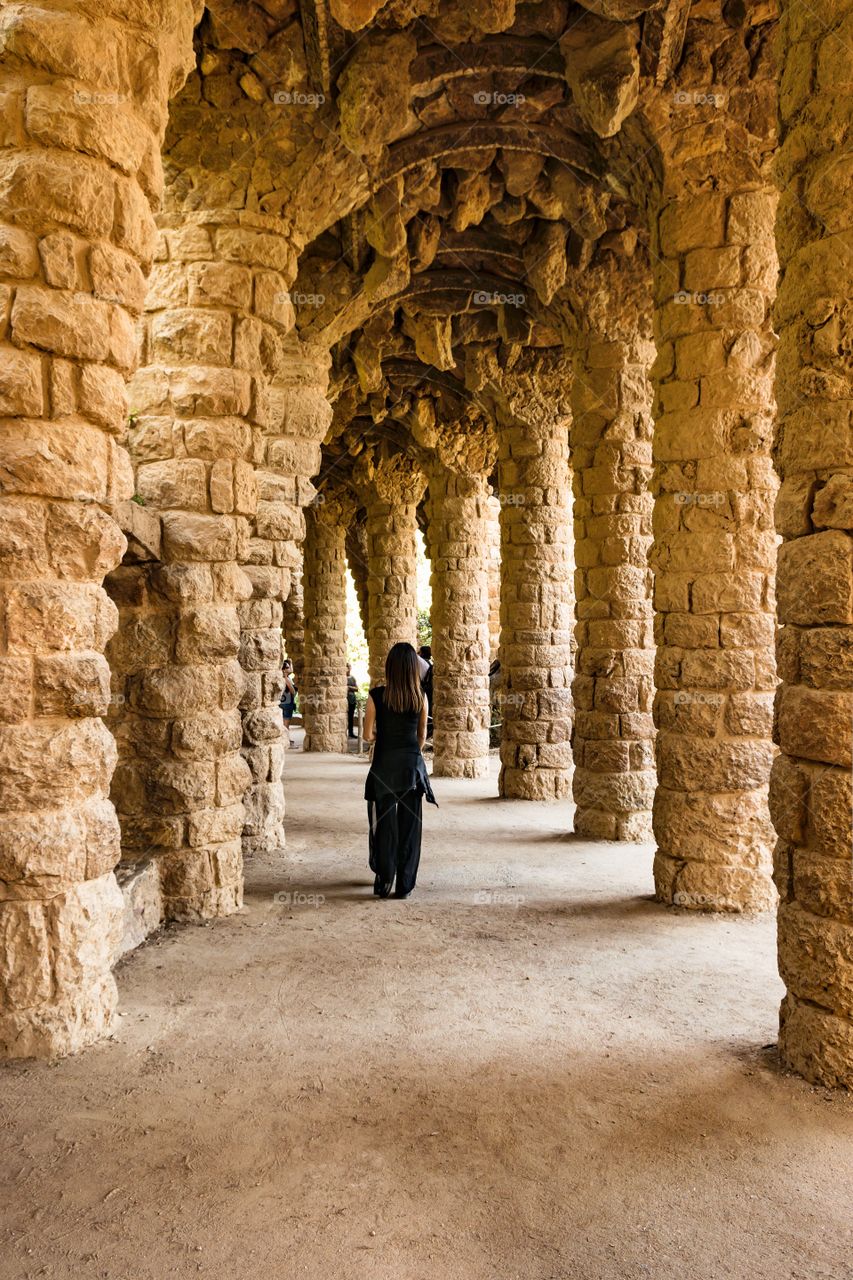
(369, 731)
(422, 724)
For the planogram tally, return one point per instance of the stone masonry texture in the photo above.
(80, 175)
(810, 791)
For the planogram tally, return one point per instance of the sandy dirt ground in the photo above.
(528, 1070)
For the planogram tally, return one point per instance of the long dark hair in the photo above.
(402, 682)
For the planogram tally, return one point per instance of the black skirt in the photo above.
(398, 766)
(398, 777)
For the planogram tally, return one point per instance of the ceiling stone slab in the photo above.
(621, 10)
(436, 65)
(432, 144)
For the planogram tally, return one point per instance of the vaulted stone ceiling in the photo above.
(461, 178)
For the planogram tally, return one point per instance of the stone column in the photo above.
(714, 548)
(613, 688)
(356, 546)
(80, 169)
(294, 420)
(493, 561)
(263, 731)
(536, 703)
(323, 692)
(810, 789)
(293, 622)
(391, 488)
(181, 778)
(458, 511)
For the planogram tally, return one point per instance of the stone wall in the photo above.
(810, 789)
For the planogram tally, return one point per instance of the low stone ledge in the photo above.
(143, 903)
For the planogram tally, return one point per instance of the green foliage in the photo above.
(424, 627)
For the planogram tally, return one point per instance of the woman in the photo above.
(288, 697)
(396, 719)
(352, 701)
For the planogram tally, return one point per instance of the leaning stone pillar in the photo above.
(613, 688)
(391, 489)
(457, 508)
(714, 548)
(79, 171)
(323, 691)
(536, 703)
(810, 789)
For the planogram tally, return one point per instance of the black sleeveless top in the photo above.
(398, 765)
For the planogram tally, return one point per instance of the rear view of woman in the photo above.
(396, 719)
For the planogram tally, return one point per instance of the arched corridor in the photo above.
(539, 309)
(527, 1070)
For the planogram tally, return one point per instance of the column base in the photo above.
(816, 1043)
(614, 806)
(714, 850)
(336, 743)
(712, 886)
(450, 768)
(631, 828)
(202, 884)
(534, 784)
(263, 827)
(83, 928)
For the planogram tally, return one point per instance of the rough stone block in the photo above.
(815, 579)
(72, 685)
(49, 767)
(216, 733)
(219, 284)
(70, 324)
(816, 724)
(21, 383)
(206, 633)
(116, 276)
(177, 483)
(198, 537)
(50, 615)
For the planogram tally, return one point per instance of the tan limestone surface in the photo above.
(529, 1069)
(810, 790)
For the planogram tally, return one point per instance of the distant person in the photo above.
(352, 688)
(288, 697)
(425, 668)
(396, 719)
